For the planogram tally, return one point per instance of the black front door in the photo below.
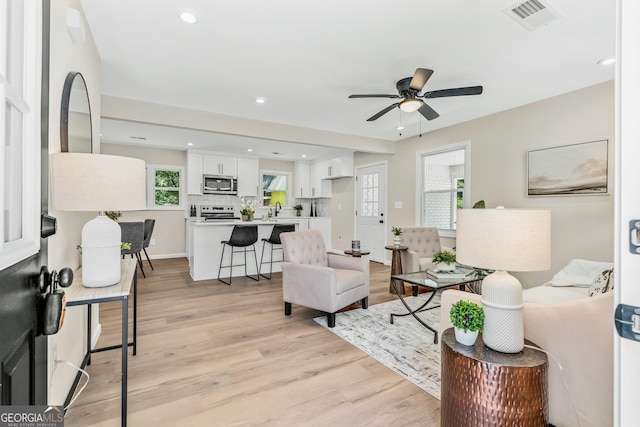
(23, 353)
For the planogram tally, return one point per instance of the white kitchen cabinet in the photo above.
(219, 165)
(194, 173)
(340, 167)
(302, 180)
(248, 177)
(320, 185)
(322, 224)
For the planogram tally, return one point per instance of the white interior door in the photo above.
(627, 259)
(371, 204)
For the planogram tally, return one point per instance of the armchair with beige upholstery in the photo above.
(423, 243)
(315, 279)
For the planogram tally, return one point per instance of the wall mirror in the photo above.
(75, 116)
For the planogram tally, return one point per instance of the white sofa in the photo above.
(576, 329)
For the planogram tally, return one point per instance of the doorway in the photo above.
(23, 199)
(371, 204)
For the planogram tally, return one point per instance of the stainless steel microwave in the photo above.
(219, 184)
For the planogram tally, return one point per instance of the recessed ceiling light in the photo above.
(190, 144)
(607, 61)
(260, 100)
(249, 149)
(400, 127)
(187, 16)
(304, 155)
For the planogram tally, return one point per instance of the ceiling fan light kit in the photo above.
(409, 89)
(410, 105)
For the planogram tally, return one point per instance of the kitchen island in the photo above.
(204, 248)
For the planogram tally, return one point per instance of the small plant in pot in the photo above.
(298, 209)
(444, 260)
(467, 319)
(396, 231)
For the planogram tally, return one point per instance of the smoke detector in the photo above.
(533, 14)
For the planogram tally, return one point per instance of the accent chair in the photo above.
(315, 279)
(423, 243)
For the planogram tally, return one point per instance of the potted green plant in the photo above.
(248, 208)
(467, 319)
(396, 231)
(113, 215)
(444, 260)
(298, 209)
(247, 214)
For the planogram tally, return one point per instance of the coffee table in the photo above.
(422, 279)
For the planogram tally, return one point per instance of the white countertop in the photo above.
(201, 221)
(239, 221)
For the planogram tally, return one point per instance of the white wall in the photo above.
(582, 226)
(65, 56)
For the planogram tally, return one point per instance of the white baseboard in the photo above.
(167, 256)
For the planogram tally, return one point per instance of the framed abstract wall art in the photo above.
(576, 169)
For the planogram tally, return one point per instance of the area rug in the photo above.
(406, 346)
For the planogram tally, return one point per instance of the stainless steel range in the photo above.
(217, 213)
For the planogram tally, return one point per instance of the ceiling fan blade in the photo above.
(374, 95)
(428, 112)
(383, 112)
(471, 90)
(420, 78)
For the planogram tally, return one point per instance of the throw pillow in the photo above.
(602, 283)
(579, 272)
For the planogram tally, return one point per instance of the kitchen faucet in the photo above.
(278, 207)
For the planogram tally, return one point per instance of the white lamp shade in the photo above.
(504, 239)
(96, 182)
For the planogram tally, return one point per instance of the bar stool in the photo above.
(274, 239)
(242, 236)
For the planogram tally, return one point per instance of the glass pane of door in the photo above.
(370, 195)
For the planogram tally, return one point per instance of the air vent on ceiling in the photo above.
(142, 138)
(533, 14)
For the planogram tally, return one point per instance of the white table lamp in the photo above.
(98, 182)
(503, 239)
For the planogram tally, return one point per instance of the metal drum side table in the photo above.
(483, 387)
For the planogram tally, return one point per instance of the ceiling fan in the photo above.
(409, 88)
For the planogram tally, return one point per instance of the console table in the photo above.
(484, 387)
(77, 294)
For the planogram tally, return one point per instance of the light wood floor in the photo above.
(213, 355)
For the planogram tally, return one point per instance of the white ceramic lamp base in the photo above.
(101, 252)
(502, 304)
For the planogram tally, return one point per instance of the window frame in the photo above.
(466, 193)
(30, 99)
(151, 187)
(290, 196)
